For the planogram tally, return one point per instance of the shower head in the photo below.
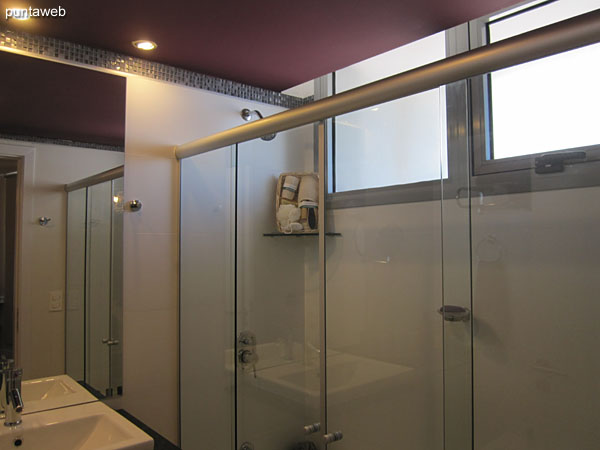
(247, 116)
(268, 137)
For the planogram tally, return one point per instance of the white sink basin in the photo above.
(91, 426)
(53, 392)
(348, 376)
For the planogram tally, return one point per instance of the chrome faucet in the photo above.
(10, 392)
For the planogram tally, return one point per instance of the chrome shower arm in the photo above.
(247, 114)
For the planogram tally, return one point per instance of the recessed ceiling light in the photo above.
(144, 45)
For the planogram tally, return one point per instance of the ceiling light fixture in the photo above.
(144, 45)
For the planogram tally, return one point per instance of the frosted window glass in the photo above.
(399, 142)
(550, 104)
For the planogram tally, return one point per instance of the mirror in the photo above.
(61, 221)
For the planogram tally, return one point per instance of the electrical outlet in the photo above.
(56, 301)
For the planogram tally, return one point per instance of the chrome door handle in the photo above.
(333, 437)
(452, 313)
(110, 341)
(312, 428)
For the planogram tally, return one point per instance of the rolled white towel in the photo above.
(308, 193)
(290, 186)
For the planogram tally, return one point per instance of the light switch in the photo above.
(56, 301)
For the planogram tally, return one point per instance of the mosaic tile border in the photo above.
(43, 140)
(67, 51)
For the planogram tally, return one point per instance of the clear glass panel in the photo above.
(278, 374)
(98, 286)
(385, 383)
(456, 275)
(94, 287)
(535, 259)
(408, 151)
(116, 280)
(207, 290)
(75, 289)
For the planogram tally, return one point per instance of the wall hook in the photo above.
(44, 220)
(135, 205)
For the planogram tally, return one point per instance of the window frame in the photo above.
(456, 145)
(468, 131)
(482, 115)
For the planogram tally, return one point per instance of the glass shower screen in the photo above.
(94, 324)
(263, 289)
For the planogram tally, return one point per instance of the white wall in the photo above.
(48, 168)
(160, 116)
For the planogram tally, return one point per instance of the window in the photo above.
(548, 105)
(396, 143)
(503, 122)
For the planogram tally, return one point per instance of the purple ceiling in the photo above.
(57, 101)
(274, 44)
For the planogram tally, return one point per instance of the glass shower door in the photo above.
(277, 294)
(75, 284)
(207, 301)
(94, 286)
(116, 288)
(98, 259)
(394, 260)
(536, 259)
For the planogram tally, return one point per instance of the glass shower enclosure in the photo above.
(94, 284)
(456, 312)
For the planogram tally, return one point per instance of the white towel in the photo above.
(290, 186)
(308, 193)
